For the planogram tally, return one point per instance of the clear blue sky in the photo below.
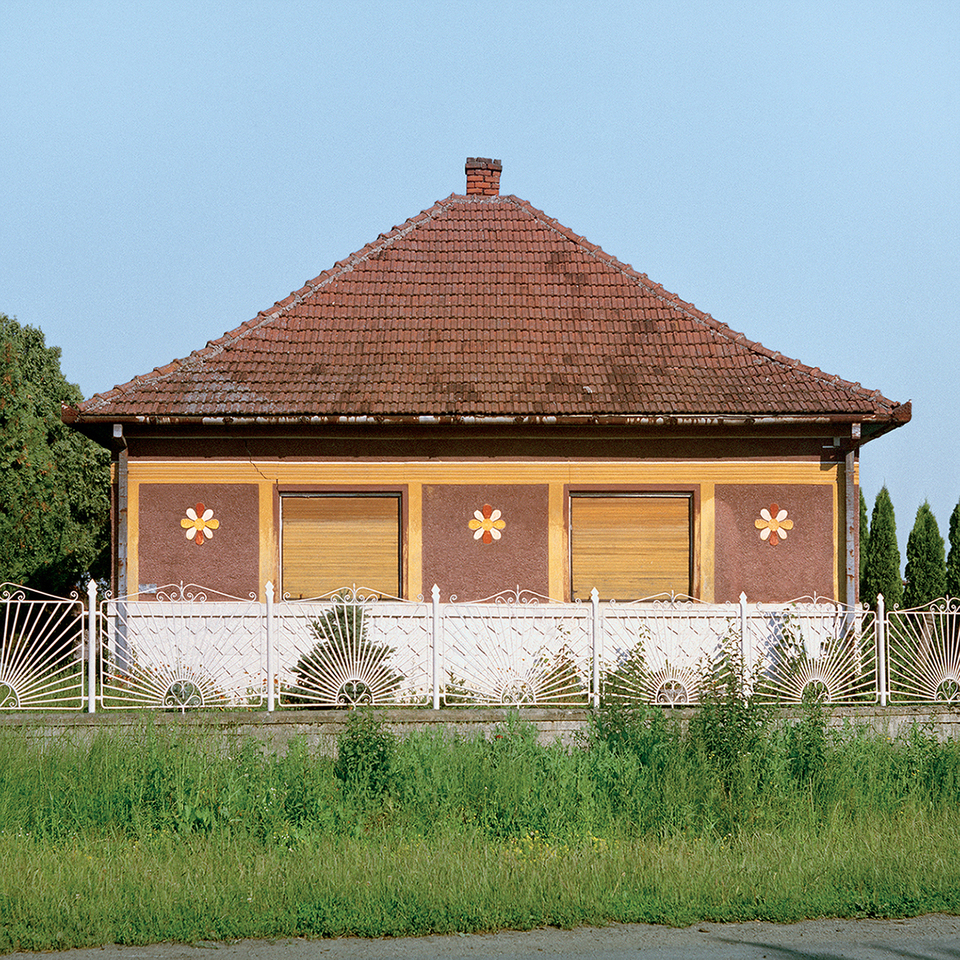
(793, 168)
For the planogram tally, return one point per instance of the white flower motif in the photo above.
(199, 524)
(487, 524)
(773, 525)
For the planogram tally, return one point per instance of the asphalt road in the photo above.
(936, 937)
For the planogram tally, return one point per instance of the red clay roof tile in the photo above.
(484, 306)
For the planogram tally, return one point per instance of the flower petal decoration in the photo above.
(487, 524)
(199, 524)
(773, 524)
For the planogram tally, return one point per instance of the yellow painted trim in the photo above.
(413, 587)
(133, 537)
(265, 474)
(473, 472)
(269, 539)
(557, 565)
(708, 540)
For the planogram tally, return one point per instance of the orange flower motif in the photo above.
(487, 524)
(199, 524)
(773, 524)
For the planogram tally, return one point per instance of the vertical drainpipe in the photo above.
(851, 517)
(120, 587)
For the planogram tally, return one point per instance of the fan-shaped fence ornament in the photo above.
(923, 646)
(41, 650)
(341, 650)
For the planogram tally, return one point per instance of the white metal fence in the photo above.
(187, 647)
(41, 650)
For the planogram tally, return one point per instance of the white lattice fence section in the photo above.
(41, 651)
(653, 650)
(353, 649)
(813, 650)
(924, 653)
(186, 648)
(514, 649)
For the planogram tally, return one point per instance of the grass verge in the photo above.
(83, 893)
(153, 837)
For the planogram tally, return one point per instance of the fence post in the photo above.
(881, 650)
(271, 693)
(745, 646)
(595, 640)
(92, 641)
(435, 645)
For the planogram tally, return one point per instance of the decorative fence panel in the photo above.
(353, 648)
(814, 650)
(654, 651)
(923, 653)
(516, 649)
(187, 647)
(41, 650)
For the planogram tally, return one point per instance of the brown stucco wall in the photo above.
(228, 561)
(470, 568)
(801, 564)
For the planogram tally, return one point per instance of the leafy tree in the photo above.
(926, 571)
(953, 558)
(881, 573)
(864, 542)
(54, 482)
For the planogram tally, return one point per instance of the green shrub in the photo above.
(365, 756)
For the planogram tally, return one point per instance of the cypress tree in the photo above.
(926, 571)
(881, 572)
(864, 541)
(953, 559)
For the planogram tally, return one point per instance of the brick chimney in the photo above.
(483, 176)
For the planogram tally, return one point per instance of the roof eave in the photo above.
(872, 426)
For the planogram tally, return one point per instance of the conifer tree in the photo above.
(864, 541)
(882, 569)
(926, 571)
(953, 558)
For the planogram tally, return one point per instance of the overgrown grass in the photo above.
(155, 837)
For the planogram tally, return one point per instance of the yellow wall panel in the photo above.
(557, 475)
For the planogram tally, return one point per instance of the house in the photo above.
(482, 399)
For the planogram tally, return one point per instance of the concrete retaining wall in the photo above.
(320, 728)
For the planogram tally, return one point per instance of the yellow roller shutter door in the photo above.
(630, 547)
(331, 542)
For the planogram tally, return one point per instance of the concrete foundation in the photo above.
(320, 728)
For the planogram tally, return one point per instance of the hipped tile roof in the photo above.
(483, 306)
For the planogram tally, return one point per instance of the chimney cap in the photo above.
(482, 163)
